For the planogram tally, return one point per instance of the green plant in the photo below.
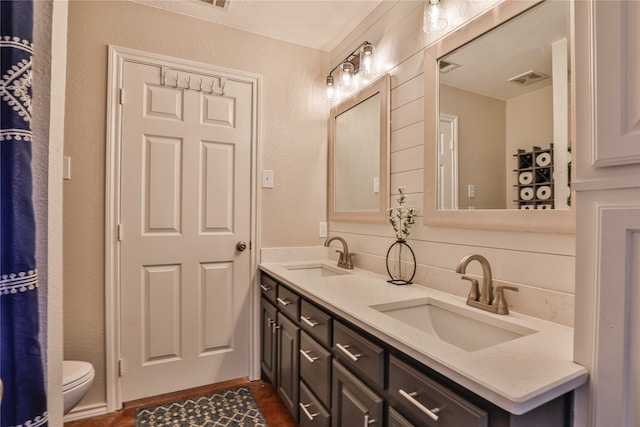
(402, 219)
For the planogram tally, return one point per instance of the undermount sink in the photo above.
(462, 327)
(315, 270)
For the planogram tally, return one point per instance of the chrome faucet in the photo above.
(485, 298)
(346, 259)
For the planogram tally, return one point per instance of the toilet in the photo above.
(77, 377)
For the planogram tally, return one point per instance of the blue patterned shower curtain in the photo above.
(21, 368)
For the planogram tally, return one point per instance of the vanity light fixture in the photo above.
(361, 61)
(433, 21)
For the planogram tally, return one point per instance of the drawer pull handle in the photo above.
(410, 397)
(308, 321)
(274, 327)
(306, 411)
(367, 421)
(305, 353)
(265, 288)
(343, 348)
(283, 302)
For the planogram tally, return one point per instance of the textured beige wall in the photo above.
(481, 146)
(292, 141)
(529, 123)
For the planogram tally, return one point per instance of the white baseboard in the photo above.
(86, 411)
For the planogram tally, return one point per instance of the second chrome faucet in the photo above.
(484, 298)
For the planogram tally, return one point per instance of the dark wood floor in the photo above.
(264, 394)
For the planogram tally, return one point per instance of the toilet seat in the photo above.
(75, 373)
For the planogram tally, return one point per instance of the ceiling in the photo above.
(319, 24)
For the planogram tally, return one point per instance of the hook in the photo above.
(164, 78)
(189, 83)
(200, 85)
(176, 80)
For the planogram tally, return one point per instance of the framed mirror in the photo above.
(498, 121)
(359, 155)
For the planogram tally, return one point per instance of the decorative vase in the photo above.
(401, 263)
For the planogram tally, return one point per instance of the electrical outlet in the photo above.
(471, 191)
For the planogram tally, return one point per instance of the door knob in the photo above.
(241, 246)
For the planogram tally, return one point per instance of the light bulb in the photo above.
(331, 89)
(346, 76)
(366, 60)
(433, 21)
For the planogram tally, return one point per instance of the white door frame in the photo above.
(453, 123)
(117, 57)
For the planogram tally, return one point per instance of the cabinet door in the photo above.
(353, 404)
(288, 372)
(268, 347)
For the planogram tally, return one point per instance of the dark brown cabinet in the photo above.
(353, 404)
(329, 372)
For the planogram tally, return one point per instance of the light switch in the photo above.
(267, 179)
(471, 191)
(376, 184)
(323, 229)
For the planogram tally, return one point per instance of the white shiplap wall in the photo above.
(541, 265)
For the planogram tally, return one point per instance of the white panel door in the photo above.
(185, 204)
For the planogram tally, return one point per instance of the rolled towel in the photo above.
(525, 178)
(543, 192)
(526, 193)
(543, 159)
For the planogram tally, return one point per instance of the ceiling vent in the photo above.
(528, 78)
(447, 66)
(222, 4)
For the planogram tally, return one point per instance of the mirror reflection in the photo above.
(504, 116)
(358, 155)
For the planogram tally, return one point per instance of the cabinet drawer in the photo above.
(414, 394)
(268, 288)
(312, 413)
(315, 368)
(397, 420)
(288, 302)
(359, 354)
(316, 322)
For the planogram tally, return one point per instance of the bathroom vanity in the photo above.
(346, 348)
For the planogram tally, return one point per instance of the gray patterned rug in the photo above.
(230, 408)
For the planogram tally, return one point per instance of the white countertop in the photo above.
(518, 375)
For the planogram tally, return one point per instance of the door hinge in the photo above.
(120, 368)
(121, 96)
(119, 232)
